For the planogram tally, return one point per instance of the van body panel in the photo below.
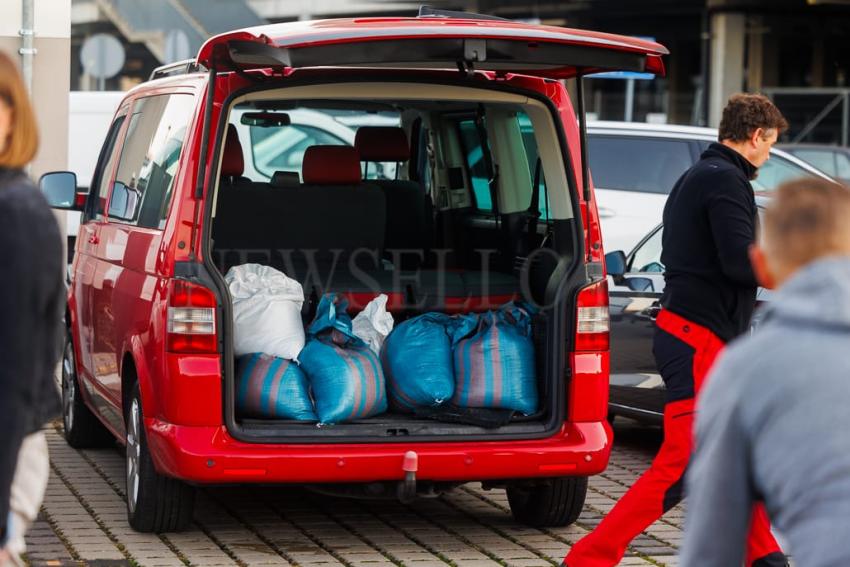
(210, 455)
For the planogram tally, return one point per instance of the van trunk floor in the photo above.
(393, 425)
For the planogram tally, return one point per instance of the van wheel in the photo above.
(554, 502)
(82, 428)
(155, 503)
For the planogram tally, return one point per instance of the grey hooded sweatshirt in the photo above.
(773, 422)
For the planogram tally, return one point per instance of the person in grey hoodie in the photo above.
(773, 422)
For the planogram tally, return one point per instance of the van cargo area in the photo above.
(447, 199)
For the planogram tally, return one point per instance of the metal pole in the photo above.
(630, 99)
(27, 50)
(705, 62)
(845, 119)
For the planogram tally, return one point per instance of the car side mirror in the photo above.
(60, 190)
(615, 265)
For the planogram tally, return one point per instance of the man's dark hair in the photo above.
(745, 113)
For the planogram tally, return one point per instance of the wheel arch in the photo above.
(134, 368)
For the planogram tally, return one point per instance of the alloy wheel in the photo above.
(69, 387)
(134, 452)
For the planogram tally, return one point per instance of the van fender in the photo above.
(135, 349)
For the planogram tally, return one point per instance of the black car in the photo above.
(636, 282)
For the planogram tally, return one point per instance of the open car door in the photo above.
(432, 42)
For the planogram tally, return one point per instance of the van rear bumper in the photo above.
(209, 455)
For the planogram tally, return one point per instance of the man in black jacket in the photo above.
(710, 293)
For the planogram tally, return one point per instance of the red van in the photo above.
(465, 188)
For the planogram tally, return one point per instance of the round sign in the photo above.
(102, 56)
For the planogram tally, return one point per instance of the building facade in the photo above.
(793, 50)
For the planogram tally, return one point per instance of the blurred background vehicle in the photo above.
(636, 283)
(832, 160)
(634, 166)
(90, 114)
(268, 149)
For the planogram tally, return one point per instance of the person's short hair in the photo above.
(807, 219)
(745, 113)
(22, 144)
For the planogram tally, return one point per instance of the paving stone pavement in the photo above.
(83, 522)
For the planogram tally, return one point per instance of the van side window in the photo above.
(142, 190)
(535, 169)
(99, 191)
(476, 166)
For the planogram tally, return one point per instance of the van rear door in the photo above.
(432, 43)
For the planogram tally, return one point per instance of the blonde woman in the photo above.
(31, 308)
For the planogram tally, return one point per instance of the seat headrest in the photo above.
(331, 165)
(232, 163)
(285, 179)
(382, 143)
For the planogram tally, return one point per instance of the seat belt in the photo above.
(534, 207)
(487, 156)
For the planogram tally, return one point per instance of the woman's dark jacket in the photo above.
(32, 305)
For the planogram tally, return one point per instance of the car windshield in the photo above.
(778, 170)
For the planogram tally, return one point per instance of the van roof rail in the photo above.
(429, 12)
(178, 68)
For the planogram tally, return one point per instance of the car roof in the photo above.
(683, 132)
(826, 147)
(605, 126)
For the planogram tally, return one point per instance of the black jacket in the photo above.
(709, 225)
(32, 300)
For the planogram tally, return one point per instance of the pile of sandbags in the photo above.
(476, 360)
(334, 376)
(347, 370)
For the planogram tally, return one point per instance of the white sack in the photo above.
(373, 324)
(266, 311)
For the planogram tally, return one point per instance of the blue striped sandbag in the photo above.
(494, 361)
(344, 373)
(268, 387)
(417, 361)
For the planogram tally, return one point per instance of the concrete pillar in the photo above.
(51, 76)
(728, 35)
(755, 54)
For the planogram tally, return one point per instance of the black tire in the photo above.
(553, 502)
(155, 503)
(83, 430)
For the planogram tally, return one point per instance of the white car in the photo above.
(634, 166)
(281, 147)
(89, 116)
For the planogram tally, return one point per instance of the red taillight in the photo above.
(191, 318)
(588, 393)
(592, 322)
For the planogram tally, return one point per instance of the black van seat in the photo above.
(323, 233)
(408, 226)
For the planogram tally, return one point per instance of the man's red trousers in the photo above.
(685, 353)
